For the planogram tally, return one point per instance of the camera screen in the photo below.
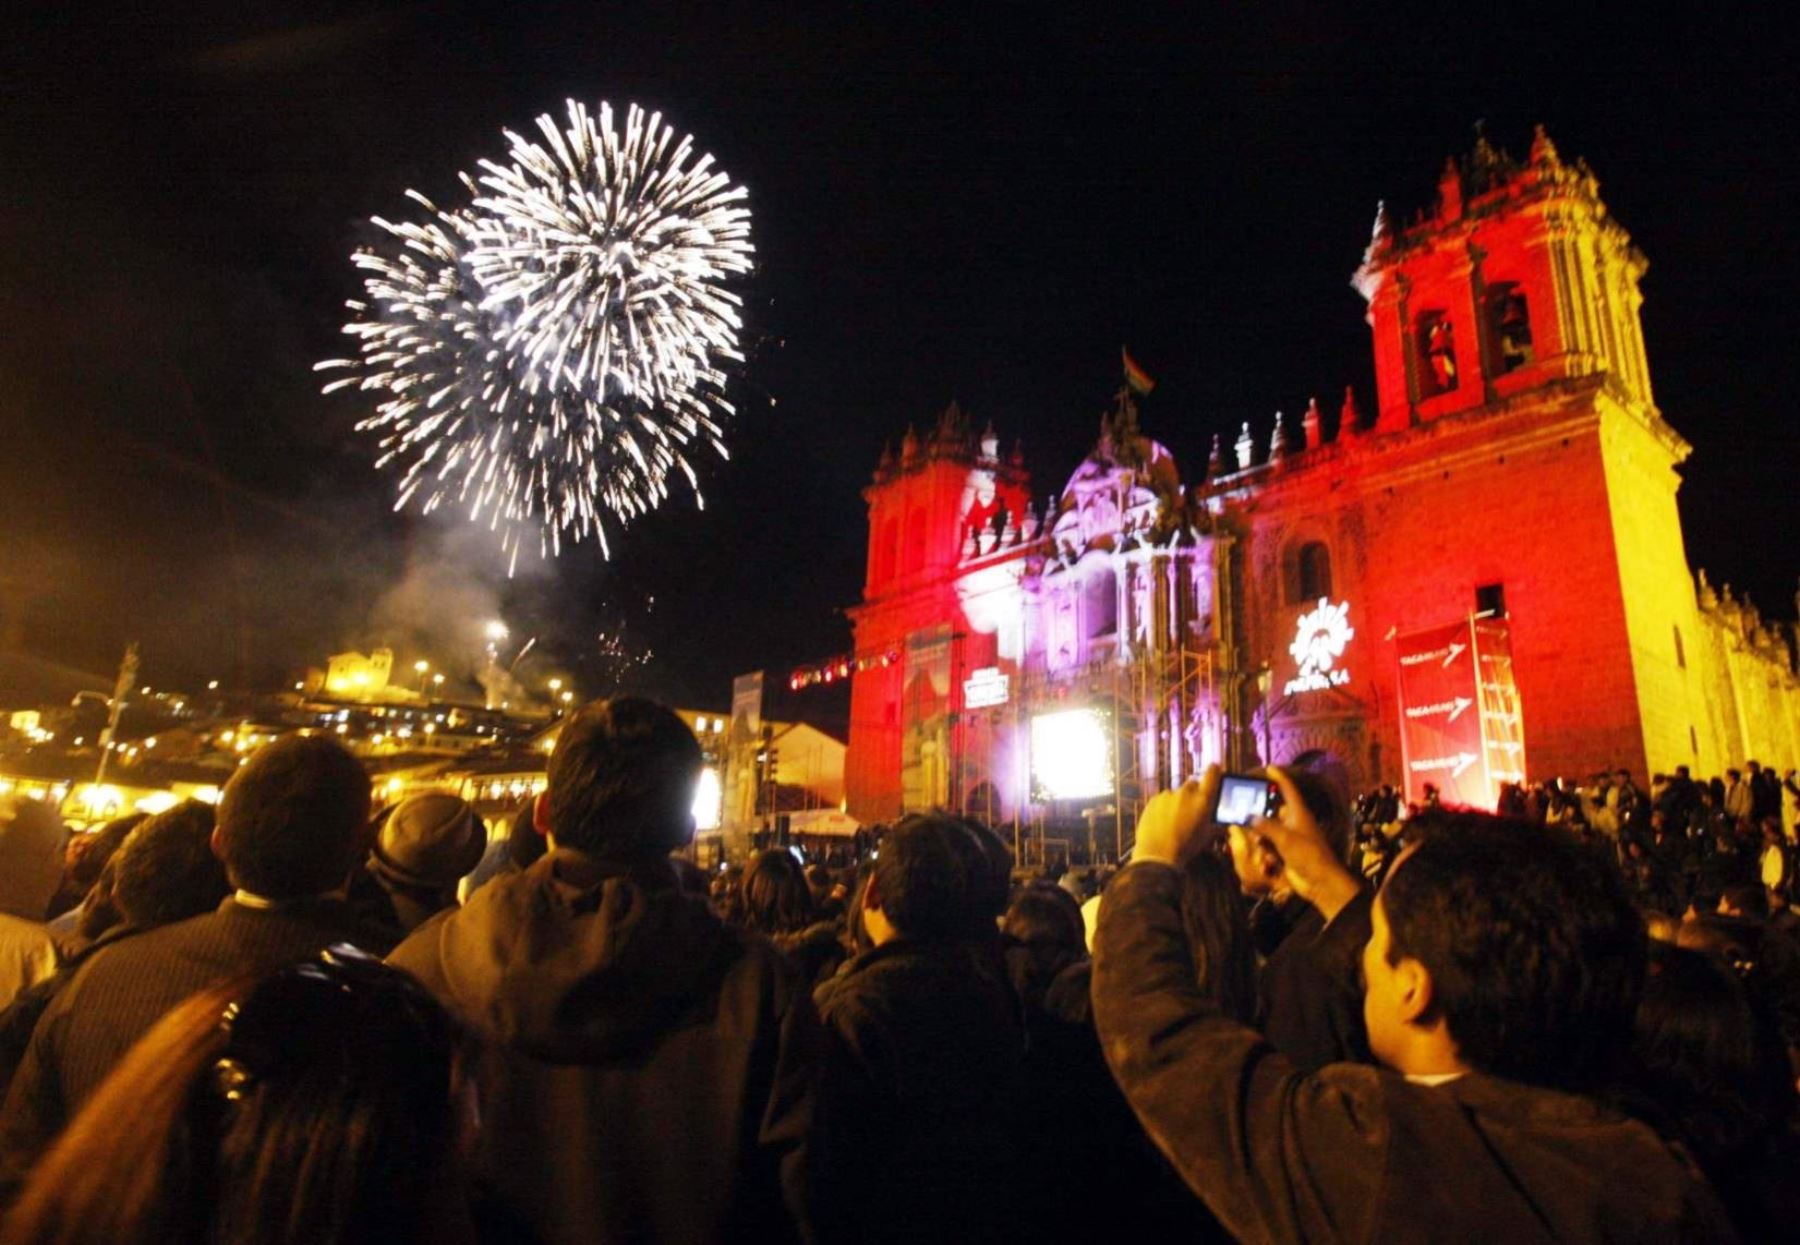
(1242, 800)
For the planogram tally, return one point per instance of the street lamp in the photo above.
(419, 668)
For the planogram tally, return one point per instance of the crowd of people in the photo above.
(296, 1018)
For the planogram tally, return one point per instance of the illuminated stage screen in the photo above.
(1071, 755)
(709, 799)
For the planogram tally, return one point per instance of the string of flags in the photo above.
(841, 668)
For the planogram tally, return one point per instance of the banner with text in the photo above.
(1440, 717)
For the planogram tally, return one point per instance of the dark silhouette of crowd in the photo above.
(298, 1018)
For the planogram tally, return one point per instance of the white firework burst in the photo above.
(546, 354)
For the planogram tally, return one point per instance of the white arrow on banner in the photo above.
(1456, 764)
(1453, 708)
(1455, 651)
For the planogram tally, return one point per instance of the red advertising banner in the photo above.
(1440, 717)
(1460, 723)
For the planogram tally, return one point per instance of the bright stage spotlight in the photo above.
(709, 799)
(1071, 755)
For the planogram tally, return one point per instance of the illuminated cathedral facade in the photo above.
(1480, 580)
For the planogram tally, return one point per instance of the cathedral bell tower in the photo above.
(926, 504)
(1515, 409)
(1518, 278)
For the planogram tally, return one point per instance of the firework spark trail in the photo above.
(547, 353)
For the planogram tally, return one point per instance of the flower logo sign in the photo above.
(1321, 635)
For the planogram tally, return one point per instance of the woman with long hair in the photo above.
(322, 1104)
(773, 895)
(775, 900)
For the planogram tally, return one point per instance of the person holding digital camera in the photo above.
(1501, 979)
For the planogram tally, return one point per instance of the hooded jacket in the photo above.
(647, 1072)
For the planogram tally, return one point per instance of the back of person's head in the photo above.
(1044, 914)
(1535, 952)
(319, 1104)
(166, 870)
(1707, 1060)
(427, 843)
(773, 895)
(932, 878)
(1218, 929)
(88, 853)
(1044, 922)
(294, 820)
(621, 781)
(31, 856)
(994, 883)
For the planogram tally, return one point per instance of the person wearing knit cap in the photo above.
(426, 845)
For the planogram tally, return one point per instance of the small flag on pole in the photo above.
(1136, 377)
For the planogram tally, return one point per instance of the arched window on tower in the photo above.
(1437, 353)
(1312, 572)
(1509, 327)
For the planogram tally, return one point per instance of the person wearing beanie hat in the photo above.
(426, 845)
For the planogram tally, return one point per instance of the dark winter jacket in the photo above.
(920, 1106)
(816, 952)
(1358, 1153)
(648, 1073)
(1308, 1003)
(126, 985)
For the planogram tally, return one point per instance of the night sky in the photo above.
(978, 208)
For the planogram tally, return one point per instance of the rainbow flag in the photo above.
(1135, 376)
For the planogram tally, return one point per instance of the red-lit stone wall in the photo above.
(1415, 523)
